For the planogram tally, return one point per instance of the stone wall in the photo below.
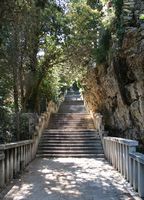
(116, 89)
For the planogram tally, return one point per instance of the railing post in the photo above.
(18, 158)
(118, 147)
(2, 170)
(121, 153)
(140, 160)
(15, 161)
(135, 175)
(137, 172)
(115, 154)
(131, 171)
(131, 149)
(124, 161)
(127, 162)
(21, 156)
(11, 163)
(121, 158)
(141, 179)
(7, 166)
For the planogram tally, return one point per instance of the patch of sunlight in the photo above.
(45, 171)
(27, 186)
(47, 182)
(106, 184)
(26, 191)
(48, 191)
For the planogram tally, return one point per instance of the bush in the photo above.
(101, 51)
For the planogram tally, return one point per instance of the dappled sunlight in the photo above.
(69, 178)
(25, 189)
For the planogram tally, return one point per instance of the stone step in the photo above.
(67, 134)
(72, 109)
(67, 148)
(44, 141)
(74, 98)
(71, 118)
(72, 115)
(72, 144)
(72, 121)
(70, 131)
(69, 122)
(71, 137)
(71, 155)
(71, 102)
(67, 139)
(74, 105)
(70, 127)
(68, 145)
(70, 152)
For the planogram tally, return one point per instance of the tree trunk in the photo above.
(14, 64)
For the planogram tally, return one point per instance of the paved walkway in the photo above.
(69, 179)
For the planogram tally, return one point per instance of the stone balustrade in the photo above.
(14, 157)
(137, 172)
(43, 123)
(97, 118)
(98, 124)
(121, 153)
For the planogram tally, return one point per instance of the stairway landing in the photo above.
(69, 179)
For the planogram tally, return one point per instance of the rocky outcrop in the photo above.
(116, 89)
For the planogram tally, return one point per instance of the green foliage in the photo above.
(83, 24)
(27, 28)
(118, 6)
(45, 46)
(51, 85)
(101, 52)
(119, 28)
(141, 17)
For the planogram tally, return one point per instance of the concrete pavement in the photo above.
(69, 179)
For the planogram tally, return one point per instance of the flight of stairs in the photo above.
(70, 132)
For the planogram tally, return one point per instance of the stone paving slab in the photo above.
(69, 179)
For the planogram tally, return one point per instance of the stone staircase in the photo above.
(70, 132)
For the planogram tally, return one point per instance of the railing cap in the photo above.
(15, 144)
(139, 157)
(123, 141)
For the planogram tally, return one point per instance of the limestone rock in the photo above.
(117, 89)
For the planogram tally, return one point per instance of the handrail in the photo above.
(43, 123)
(15, 156)
(15, 144)
(121, 153)
(137, 172)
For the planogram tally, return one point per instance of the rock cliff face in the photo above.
(116, 89)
